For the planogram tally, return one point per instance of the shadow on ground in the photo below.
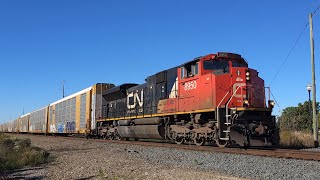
(24, 173)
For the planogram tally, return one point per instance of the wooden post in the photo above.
(314, 110)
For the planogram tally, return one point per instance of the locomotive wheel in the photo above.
(199, 141)
(179, 140)
(104, 137)
(111, 137)
(222, 143)
(117, 137)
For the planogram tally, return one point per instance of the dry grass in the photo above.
(18, 153)
(296, 139)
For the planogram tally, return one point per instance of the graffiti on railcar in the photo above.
(53, 128)
(70, 126)
(66, 127)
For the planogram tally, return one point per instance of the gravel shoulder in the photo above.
(79, 159)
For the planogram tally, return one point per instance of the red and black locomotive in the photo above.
(215, 98)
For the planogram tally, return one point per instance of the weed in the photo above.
(101, 173)
(18, 153)
(296, 139)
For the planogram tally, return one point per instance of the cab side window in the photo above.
(190, 70)
(182, 72)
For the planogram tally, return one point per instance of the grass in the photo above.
(296, 139)
(18, 153)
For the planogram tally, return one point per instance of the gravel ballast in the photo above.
(79, 159)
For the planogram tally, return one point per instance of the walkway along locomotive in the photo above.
(212, 99)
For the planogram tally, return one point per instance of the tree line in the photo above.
(298, 118)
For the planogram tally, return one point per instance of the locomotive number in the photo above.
(190, 85)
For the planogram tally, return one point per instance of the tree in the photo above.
(297, 118)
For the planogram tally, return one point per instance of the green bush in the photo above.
(18, 153)
(23, 143)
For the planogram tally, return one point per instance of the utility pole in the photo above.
(314, 110)
(63, 89)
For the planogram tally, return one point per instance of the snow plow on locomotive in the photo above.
(215, 99)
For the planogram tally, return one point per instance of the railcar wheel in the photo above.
(179, 140)
(222, 143)
(199, 141)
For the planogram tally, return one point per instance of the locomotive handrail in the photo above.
(265, 98)
(227, 115)
(227, 112)
(218, 114)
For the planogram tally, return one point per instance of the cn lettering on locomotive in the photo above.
(133, 99)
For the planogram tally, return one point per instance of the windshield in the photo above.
(216, 65)
(238, 64)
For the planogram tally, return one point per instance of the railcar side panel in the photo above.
(52, 119)
(15, 125)
(24, 123)
(10, 126)
(5, 127)
(38, 120)
(73, 114)
(97, 102)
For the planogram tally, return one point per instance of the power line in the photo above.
(288, 55)
(294, 45)
(315, 11)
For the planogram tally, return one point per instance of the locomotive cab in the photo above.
(227, 73)
(215, 77)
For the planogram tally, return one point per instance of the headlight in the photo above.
(246, 102)
(271, 103)
(248, 75)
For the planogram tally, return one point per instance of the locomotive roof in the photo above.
(193, 60)
(219, 55)
(119, 88)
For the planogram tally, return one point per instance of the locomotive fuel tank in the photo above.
(146, 128)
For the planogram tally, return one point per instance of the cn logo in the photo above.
(238, 93)
(136, 99)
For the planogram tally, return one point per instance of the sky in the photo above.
(80, 43)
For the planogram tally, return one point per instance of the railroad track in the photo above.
(278, 153)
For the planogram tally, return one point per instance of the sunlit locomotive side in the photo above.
(215, 98)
